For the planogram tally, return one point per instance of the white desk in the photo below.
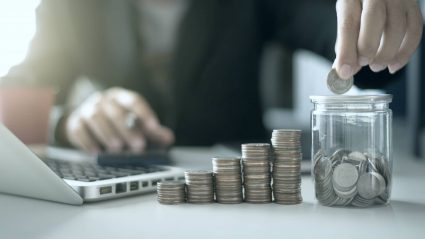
(143, 217)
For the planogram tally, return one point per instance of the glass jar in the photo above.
(351, 149)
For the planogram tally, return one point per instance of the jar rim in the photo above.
(341, 99)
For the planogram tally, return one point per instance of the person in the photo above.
(188, 70)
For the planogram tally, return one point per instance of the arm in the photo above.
(48, 62)
(312, 25)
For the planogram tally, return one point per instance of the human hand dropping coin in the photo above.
(379, 33)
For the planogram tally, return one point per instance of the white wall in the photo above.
(17, 27)
(310, 72)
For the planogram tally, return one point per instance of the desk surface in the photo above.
(143, 217)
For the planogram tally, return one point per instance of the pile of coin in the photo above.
(287, 166)
(199, 185)
(228, 181)
(171, 192)
(256, 172)
(351, 178)
(338, 85)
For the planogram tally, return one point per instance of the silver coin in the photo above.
(357, 156)
(359, 201)
(371, 185)
(323, 168)
(198, 173)
(373, 175)
(286, 166)
(346, 194)
(338, 85)
(171, 184)
(345, 177)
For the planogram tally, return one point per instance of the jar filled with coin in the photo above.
(351, 149)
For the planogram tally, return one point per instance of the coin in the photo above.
(228, 179)
(345, 177)
(338, 85)
(256, 172)
(200, 186)
(286, 166)
(371, 185)
(355, 178)
(171, 192)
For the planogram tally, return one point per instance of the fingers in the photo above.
(132, 102)
(79, 136)
(371, 28)
(97, 122)
(101, 121)
(348, 16)
(392, 37)
(387, 34)
(117, 116)
(149, 122)
(411, 39)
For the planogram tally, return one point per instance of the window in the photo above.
(17, 27)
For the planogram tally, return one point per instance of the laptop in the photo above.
(23, 173)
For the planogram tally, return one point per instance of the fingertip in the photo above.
(345, 71)
(393, 68)
(377, 67)
(167, 136)
(114, 145)
(151, 124)
(138, 145)
(94, 150)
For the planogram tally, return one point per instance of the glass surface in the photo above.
(351, 149)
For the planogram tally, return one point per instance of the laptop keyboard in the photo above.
(87, 172)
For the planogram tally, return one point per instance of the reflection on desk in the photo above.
(143, 217)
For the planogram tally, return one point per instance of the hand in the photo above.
(378, 33)
(101, 121)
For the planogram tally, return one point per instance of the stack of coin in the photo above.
(199, 186)
(228, 181)
(286, 166)
(256, 172)
(351, 178)
(171, 192)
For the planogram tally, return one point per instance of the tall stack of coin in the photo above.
(199, 186)
(171, 192)
(286, 166)
(256, 172)
(228, 181)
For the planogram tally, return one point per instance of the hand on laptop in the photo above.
(100, 121)
(378, 33)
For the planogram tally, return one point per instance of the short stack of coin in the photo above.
(286, 166)
(228, 181)
(256, 172)
(171, 192)
(200, 186)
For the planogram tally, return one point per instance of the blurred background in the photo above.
(17, 24)
(282, 70)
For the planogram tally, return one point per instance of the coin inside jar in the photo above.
(345, 176)
(371, 185)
